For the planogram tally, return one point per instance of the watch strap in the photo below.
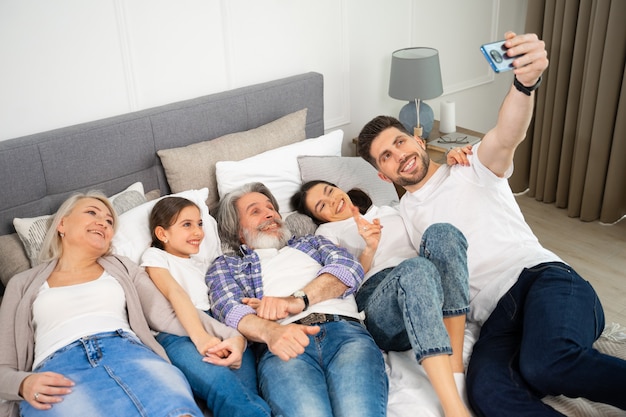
(301, 294)
(526, 90)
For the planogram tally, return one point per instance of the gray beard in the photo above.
(259, 239)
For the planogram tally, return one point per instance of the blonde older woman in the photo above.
(75, 335)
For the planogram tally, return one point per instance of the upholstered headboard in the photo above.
(39, 171)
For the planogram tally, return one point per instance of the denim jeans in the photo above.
(116, 375)
(227, 392)
(538, 341)
(405, 306)
(340, 374)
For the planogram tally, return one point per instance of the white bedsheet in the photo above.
(410, 391)
(411, 394)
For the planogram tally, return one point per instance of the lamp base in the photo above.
(408, 117)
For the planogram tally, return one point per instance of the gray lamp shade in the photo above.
(415, 73)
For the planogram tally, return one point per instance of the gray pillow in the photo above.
(127, 200)
(348, 172)
(192, 167)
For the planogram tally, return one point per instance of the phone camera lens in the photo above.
(496, 56)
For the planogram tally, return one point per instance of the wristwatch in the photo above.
(526, 90)
(302, 294)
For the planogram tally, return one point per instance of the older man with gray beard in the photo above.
(294, 298)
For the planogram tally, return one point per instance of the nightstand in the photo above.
(439, 156)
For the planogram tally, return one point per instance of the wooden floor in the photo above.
(596, 251)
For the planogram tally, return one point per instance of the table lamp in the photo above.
(416, 76)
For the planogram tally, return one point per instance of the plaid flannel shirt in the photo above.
(233, 277)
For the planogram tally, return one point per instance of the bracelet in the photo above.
(526, 90)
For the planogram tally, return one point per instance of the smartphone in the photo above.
(496, 55)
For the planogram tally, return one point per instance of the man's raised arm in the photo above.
(498, 146)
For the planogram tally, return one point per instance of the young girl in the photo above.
(219, 372)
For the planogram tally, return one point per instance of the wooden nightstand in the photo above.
(437, 155)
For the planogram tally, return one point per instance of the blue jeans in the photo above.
(116, 375)
(538, 341)
(341, 373)
(405, 306)
(227, 392)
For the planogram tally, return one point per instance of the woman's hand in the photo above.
(206, 342)
(43, 389)
(459, 155)
(370, 232)
(228, 352)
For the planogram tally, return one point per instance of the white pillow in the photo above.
(33, 230)
(277, 169)
(133, 235)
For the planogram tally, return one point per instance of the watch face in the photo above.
(299, 294)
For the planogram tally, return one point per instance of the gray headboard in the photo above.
(38, 172)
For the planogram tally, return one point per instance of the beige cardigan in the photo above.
(147, 309)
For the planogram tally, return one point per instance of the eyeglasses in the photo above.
(448, 139)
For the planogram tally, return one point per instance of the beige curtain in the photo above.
(575, 152)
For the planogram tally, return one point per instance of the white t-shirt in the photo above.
(188, 272)
(62, 315)
(287, 270)
(394, 247)
(483, 207)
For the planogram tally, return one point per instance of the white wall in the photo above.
(71, 61)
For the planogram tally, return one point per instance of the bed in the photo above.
(201, 148)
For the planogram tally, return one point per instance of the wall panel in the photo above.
(275, 38)
(175, 49)
(58, 59)
(70, 61)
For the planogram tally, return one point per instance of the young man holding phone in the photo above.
(539, 318)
